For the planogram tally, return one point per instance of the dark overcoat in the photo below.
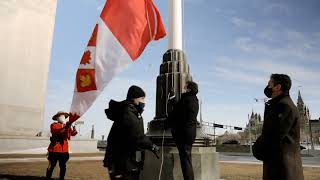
(279, 144)
(183, 118)
(126, 140)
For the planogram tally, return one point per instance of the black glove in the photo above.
(156, 150)
(171, 92)
(68, 124)
(107, 161)
(258, 149)
(166, 124)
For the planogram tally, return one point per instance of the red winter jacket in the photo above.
(60, 136)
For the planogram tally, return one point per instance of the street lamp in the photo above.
(250, 142)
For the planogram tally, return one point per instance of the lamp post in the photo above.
(250, 142)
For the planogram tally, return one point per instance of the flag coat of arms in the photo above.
(124, 29)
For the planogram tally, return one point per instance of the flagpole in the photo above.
(175, 24)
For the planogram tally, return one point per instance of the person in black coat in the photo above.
(126, 141)
(278, 146)
(183, 122)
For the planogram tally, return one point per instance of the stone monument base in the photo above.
(205, 161)
(38, 145)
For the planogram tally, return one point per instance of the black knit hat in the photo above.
(135, 92)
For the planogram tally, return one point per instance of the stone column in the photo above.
(174, 72)
(26, 38)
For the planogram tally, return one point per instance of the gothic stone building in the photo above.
(315, 129)
(305, 127)
(304, 120)
(255, 126)
(256, 122)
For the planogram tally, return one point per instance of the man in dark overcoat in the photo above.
(279, 144)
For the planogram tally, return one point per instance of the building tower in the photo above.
(303, 118)
(255, 126)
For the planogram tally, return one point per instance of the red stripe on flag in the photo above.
(128, 21)
(73, 117)
(86, 57)
(161, 31)
(93, 39)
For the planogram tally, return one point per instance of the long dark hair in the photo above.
(193, 87)
(282, 79)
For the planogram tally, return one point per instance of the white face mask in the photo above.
(62, 119)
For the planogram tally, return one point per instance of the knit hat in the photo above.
(135, 92)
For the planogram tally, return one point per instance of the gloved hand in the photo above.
(73, 117)
(107, 162)
(166, 124)
(171, 94)
(68, 124)
(156, 150)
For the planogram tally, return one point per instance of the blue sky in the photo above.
(232, 48)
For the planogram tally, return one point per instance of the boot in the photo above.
(62, 173)
(49, 173)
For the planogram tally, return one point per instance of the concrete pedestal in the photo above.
(205, 162)
(39, 145)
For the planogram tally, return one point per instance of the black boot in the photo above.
(49, 173)
(62, 173)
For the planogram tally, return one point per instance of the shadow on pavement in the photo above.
(14, 177)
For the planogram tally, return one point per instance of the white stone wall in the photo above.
(39, 145)
(26, 31)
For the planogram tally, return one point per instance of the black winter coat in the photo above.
(279, 144)
(126, 138)
(183, 119)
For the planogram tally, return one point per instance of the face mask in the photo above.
(140, 107)
(62, 119)
(268, 92)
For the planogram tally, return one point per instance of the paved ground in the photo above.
(230, 171)
(93, 170)
(246, 159)
(89, 167)
(224, 157)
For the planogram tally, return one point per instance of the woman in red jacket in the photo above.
(59, 148)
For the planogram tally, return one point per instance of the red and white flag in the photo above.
(124, 29)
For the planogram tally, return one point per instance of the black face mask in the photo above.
(268, 92)
(140, 107)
